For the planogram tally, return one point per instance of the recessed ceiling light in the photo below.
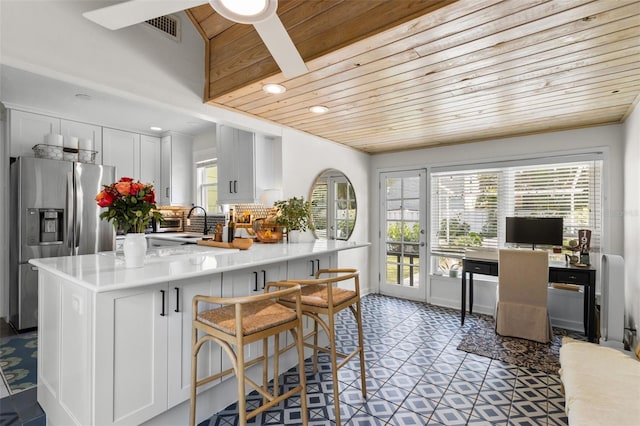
(274, 89)
(318, 109)
(83, 96)
(156, 128)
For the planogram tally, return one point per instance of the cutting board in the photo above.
(212, 243)
(238, 243)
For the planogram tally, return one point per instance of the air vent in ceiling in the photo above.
(168, 25)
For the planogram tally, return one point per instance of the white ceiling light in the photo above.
(156, 128)
(274, 89)
(245, 11)
(318, 109)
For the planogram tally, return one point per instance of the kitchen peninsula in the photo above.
(115, 343)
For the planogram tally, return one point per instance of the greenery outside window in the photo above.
(468, 208)
(207, 185)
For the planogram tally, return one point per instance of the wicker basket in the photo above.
(54, 152)
(269, 235)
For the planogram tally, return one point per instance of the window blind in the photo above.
(468, 208)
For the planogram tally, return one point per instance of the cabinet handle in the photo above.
(317, 264)
(573, 277)
(230, 187)
(264, 278)
(177, 299)
(166, 192)
(235, 186)
(313, 268)
(255, 281)
(162, 314)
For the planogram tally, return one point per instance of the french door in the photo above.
(403, 236)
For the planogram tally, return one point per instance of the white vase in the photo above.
(295, 236)
(135, 248)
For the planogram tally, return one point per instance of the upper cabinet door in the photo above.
(27, 129)
(236, 166)
(122, 150)
(150, 161)
(88, 132)
(176, 187)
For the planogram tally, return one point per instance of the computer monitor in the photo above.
(534, 230)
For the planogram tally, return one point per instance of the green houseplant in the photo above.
(294, 215)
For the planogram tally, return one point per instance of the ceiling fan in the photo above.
(259, 13)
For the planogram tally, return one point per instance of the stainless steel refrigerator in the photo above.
(53, 213)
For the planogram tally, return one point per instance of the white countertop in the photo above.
(106, 271)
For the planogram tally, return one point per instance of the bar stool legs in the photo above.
(320, 297)
(243, 320)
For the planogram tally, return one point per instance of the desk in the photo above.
(584, 276)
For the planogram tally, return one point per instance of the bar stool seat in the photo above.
(321, 298)
(244, 320)
(256, 316)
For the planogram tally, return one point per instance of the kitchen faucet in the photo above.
(206, 230)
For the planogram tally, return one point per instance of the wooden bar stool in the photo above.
(320, 297)
(244, 320)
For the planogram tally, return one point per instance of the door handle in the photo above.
(313, 268)
(230, 187)
(264, 278)
(177, 299)
(162, 313)
(255, 281)
(166, 192)
(235, 186)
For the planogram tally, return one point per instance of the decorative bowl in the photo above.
(269, 235)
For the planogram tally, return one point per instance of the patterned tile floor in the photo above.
(415, 376)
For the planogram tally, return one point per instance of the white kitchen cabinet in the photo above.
(80, 130)
(122, 150)
(150, 161)
(27, 129)
(248, 282)
(246, 166)
(179, 313)
(176, 171)
(146, 334)
(305, 269)
(131, 352)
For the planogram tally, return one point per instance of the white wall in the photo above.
(304, 157)
(608, 137)
(632, 219)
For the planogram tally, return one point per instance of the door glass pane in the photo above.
(403, 231)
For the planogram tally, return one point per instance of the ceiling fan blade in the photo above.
(277, 40)
(133, 12)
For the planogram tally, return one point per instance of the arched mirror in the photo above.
(333, 205)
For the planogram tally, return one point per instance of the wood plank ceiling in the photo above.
(399, 74)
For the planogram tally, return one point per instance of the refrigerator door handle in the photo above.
(70, 237)
(78, 213)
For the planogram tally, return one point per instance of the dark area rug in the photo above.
(19, 361)
(482, 340)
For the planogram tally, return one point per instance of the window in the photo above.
(468, 208)
(207, 185)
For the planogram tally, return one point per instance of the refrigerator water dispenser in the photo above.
(45, 226)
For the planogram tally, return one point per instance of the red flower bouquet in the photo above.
(130, 205)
